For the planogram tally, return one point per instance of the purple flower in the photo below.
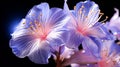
(37, 34)
(84, 26)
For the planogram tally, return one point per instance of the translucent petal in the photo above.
(115, 16)
(59, 34)
(96, 32)
(74, 40)
(41, 53)
(21, 46)
(39, 12)
(20, 30)
(44, 7)
(91, 46)
(80, 58)
(87, 9)
(58, 18)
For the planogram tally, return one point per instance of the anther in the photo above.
(74, 7)
(101, 13)
(105, 19)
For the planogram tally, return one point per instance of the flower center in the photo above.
(38, 30)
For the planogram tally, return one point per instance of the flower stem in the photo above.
(58, 61)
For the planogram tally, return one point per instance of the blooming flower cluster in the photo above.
(57, 32)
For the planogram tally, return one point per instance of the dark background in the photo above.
(12, 11)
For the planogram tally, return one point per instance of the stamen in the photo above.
(80, 10)
(101, 14)
(81, 14)
(105, 19)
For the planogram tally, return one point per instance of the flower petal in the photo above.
(80, 58)
(58, 18)
(45, 11)
(97, 32)
(39, 12)
(21, 30)
(114, 23)
(74, 40)
(71, 14)
(87, 9)
(115, 16)
(91, 46)
(21, 46)
(58, 34)
(41, 53)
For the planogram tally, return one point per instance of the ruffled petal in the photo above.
(87, 6)
(39, 13)
(44, 7)
(41, 53)
(88, 9)
(21, 46)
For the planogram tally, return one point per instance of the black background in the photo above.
(12, 11)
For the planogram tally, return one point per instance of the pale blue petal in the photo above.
(90, 10)
(41, 54)
(109, 36)
(74, 40)
(100, 32)
(39, 13)
(57, 38)
(88, 6)
(91, 47)
(114, 47)
(45, 11)
(60, 35)
(66, 8)
(22, 45)
(21, 30)
(57, 18)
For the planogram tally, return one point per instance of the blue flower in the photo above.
(84, 26)
(38, 33)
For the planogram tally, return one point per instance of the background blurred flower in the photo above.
(110, 55)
